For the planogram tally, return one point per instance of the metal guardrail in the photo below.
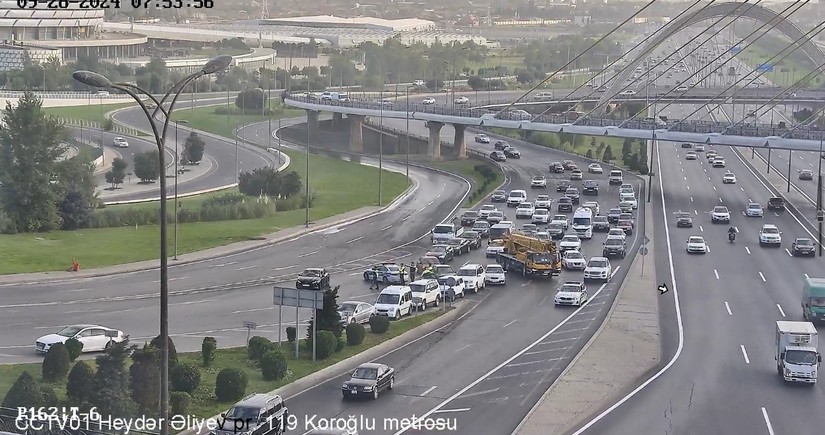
(687, 126)
(92, 125)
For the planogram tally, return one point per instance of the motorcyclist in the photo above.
(731, 233)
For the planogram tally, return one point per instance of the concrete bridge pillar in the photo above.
(337, 118)
(459, 143)
(435, 138)
(356, 133)
(313, 120)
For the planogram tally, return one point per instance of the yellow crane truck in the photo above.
(530, 256)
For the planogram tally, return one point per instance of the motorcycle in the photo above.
(731, 237)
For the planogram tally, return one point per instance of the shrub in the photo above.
(273, 365)
(379, 324)
(643, 169)
(23, 393)
(355, 334)
(185, 377)
(48, 397)
(179, 402)
(208, 348)
(56, 363)
(173, 353)
(257, 347)
(79, 385)
(341, 344)
(74, 347)
(291, 333)
(327, 343)
(230, 385)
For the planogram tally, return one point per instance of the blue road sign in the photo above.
(735, 49)
(764, 67)
(643, 250)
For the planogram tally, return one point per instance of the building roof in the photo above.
(399, 25)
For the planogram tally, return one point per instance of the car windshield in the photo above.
(615, 211)
(570, 288)
(803, 357)
(571, 192)
(69, 331)
(488, 207)
(311, 273)
(556, 226)
(442, 229)
(418, 288)
(443, 269)
(625, 217)
(540, 178)
(616, 242)
(496, 214)
(499, 193)
(543, 198)
(754, 206)
(683, 215)
(600, 219)
(565, 201)
(365, 373)
(386, 298)
(466, 272)
(573, 255)
(494, 269)
(696, 240)
(770, 230)
(597, 263)
(455, 242)
(347, 307)
(525, 205)
(244, 413)
(470, 214)
(439, 249)
(469, 235)
(540, 211)
(481, 224)
(720, 209)
(569, 239)
(804, 242)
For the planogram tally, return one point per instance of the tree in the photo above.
(117, 174)
(592, 141)
(173, 352)
(589, 154)
(193, 148)
(23, 393)
(643, 156)
(268, 181)
(144, 378)
(77, 183)
(627, 148)
(253, 99)
(608, 154)
(476, 83)
(110, 388)
(633, 162)
(30, 149)
(147, 166)
(524, 77)
(79, 385)
(56, 363)
(328, 317)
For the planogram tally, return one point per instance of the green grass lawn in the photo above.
(581, 149)
(93, 112)
(204, 403)
(467, 169)
(786, 73)
(205, 118)
(339, 187)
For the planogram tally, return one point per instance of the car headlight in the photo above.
(346, 385)
(368, 388)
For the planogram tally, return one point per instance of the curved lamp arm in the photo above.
(178, 88)
(158, 104)
(158, 138)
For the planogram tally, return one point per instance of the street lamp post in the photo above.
(381, 142)
(819, 216)
(177, 172)
(407, 171)
(96, 80)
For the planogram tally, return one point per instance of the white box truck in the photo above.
(797, 357)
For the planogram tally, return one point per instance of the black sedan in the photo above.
(313, 278)
(684, 220)
(512, 152)
(498, 196)
(460, 245)
(443, 253)
(368, 380)
(803, 247)
(473, 238)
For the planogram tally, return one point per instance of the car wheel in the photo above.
(352, 321)
(386, 280)
(108, 345)
(375, 393)
(423, 306)
(366, 276)
(437, 302)
(344, 396)
(397, 315)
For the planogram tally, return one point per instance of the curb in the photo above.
(313, 380)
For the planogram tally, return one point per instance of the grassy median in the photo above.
(482, 186)
(204, 404)
(215, 119)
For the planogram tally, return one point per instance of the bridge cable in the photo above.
(574, 59)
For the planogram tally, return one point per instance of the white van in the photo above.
(394, 301)
(616, 177)
(443, 232)
(516, 197)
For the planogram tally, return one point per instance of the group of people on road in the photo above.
(414, 269)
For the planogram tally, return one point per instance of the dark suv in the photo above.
(614, 248)
(313, 278)
(255, 414)
(500, 145)
(565, 204)
(591, 187)
(776, 203)
(469, 218)
(600, 223)
(562, 185)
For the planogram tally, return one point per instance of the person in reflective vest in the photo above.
(401, 271)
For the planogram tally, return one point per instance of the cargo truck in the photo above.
(813, 299)
(797, 357)
(530, 256)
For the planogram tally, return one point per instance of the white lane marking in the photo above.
(701, 229)
(691, 199)
(355, 273)
(763, 277)
(171, 279)
(527, 363)
(720, 199)
(462, 348)
(308, 254)
(405, 218)
(421, 209)
(716, 272)
(747, 250)
(430, 203)
(509, 323)
(727, 307)
(555, 349)
(283, 267)
(688, 187)
(444, 411)
(714, 187)
(75, 290)
(736, 229)
(806, 276)
(252, 310)
(742, 188)
(481, 393)
(193, 302)
(247, 267)
(695, 212)
(709, 179)
(82, 311)
(225, 264)
(429, 390)
(745, 354)
(685, 178)
(386, 228)
(354, 240)
(507, 361)
(708, 248)
(767, 421)
(781, 311)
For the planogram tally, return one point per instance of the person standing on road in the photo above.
(412, 272)
(401, 271)
(375, 282)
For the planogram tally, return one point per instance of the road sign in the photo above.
(662, 288)
(645, 240)
(643, 250)
(735, 49)
(250, 325)
(764, 67)
(291, 297)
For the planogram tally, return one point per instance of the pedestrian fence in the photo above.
(94, 125)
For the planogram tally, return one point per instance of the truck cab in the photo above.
(813, 299)
(583, 223)
(797, 357)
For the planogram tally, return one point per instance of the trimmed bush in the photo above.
(79, 385)
(208, 348)
(341, 345)
(273, 365)
(379, 324)
(257, 347)
(355, 334)
(74, 347)
(230, 385)
(179, 402)
(23, 393)
(327, 343)
(173, 353)
(56, 363)
(291, 333)
(185, 377)
(48, 397)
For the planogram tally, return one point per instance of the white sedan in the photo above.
(560, 219)
(485, 210)
(754, 210)
(120, 142)
(543, 201)
(524, 210)
(482, 138)
(696, 245)
(494, 274)
(729, 178)
(538, 182)
(570, 242)
(541, 216)
(94, 338)
(595, 168)
(573, 260)
(428, 101)
(462, 100)
(571, 293)
(718, 162)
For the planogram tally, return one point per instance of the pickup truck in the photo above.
(776, 203)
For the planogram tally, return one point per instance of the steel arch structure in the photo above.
(753, 11)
